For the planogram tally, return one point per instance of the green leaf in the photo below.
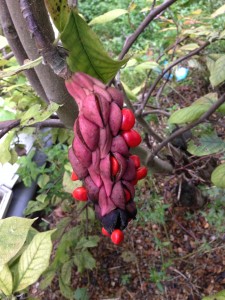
(109, 16)
(66, 272)
(65, 289)
(207, 144)
(68, 184)
(59, 11)
(219, 11)
(218, 72)
(43, 180)
(48, 277)
(187, 114)
(189, 47)
(81, 294)
(146, 66)
(17, 69)
(13, 233)
(34, 206)
(36, 113)
(61, 226)
(89, 242)
(218, 296)
(5, 155)
(86, 52)
(218, 176)
(84, 260)
(6, 115)
(6, 281)
(34, 260)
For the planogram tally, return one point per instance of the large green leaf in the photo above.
(6, 282)
(218, 176)
(86, 52)
(34, 260)
(59, 11)
(218, 296)
(207, 144)
(13, 233)
(217, 75)
(109, 16)
(5, 155)
(188, 114)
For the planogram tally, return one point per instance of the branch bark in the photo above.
(153, 13)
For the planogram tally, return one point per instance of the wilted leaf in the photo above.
(59, 11)
(218, 72)
(86, 52)
(109, 16)
(17, 69)
(38, 114)
(128, 256)
(205, 145)
(219, 11)
(218, 176)
(84, 260)
(34, 260)
(6, 281)
(13, 233)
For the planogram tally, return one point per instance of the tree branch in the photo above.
(6, 126)
(176, 62)
(153, 13)
(180, 131)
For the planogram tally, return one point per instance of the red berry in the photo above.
(105, 232)
(127, 195)
(117, 236)
(80, 194)
(132, 137)
(142, 173)
(136, 160)
(128, 119)
(74, 176)
(114, 166)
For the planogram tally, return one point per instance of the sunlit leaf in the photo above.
(86, 52)
(17, 69)
(218, 72)
(219, 11)
(68, 184)
(147, 66)
(6, 281)
(13, 233)
(218, 177)
(34, 260)
(6, 115)
(109, 16)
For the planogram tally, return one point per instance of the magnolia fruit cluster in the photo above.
(100, 154)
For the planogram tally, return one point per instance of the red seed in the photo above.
(117, 236)
(127, 195)
(80, 194)
(74, 176)
(114, 166)
(142, 173)
(134, 182)
(132, 137)
(105, 232)
(136, 160)
(128, 119)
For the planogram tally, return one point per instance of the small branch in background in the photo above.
(156, 112)
(6, 126)
(176, 62)
(153, 13)
(51, 54)
(180, 131)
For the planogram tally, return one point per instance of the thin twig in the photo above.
(176, 62)
(153, 13)
(180, 131)
(10, 125)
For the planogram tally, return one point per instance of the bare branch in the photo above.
(9, 125)
(153, 13)
(176, 62)
(180, 131)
